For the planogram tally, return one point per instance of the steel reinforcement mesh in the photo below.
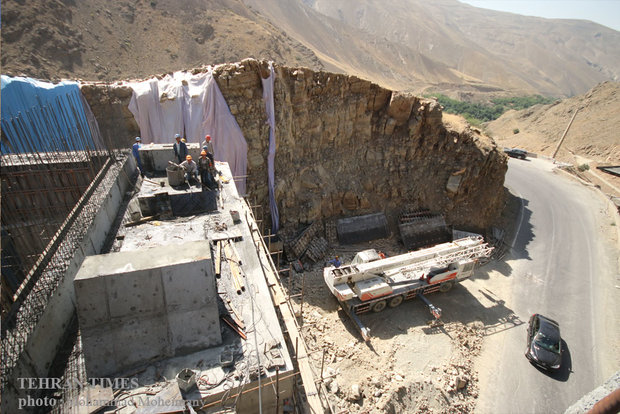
(19, 324)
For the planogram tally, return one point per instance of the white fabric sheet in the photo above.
(271, 120)
(193, 106)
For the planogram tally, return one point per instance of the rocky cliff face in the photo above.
(346, 147)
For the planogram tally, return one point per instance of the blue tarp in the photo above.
(43, 117)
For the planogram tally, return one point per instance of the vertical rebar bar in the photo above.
(322, 364)
(277, 389)
(301, 307)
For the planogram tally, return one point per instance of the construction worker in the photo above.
(207, 172)
(136, 154)
(191, 169)
(335, 262)
(207, 145)
(180, 149)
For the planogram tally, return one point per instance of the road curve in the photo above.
(563, 264)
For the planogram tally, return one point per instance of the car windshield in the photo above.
(547, 343)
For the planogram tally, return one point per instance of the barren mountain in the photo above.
(448, 46)
(110, 40)
(593, 133)
(413, 45)
(591, 140)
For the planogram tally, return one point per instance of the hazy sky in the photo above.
(605, 12)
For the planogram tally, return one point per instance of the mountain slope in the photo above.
(482, 50)
(593, 133)
(110, 40)
(414, 45)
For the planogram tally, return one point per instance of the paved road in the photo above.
(562, 266)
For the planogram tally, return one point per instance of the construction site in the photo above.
(127, 289)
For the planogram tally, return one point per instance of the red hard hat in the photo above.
(208, 137)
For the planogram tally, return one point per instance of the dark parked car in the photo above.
(516, 153)
(544, 343)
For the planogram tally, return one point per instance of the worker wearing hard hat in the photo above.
(180, 149)
(207, 145)
(335, 262)
(207, 171)
(136, 153)
(191, 169)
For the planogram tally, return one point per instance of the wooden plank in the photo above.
(236, 313)
(235, 270)
(235, 254)
(303, 362)
(218, 258)
(231, 322)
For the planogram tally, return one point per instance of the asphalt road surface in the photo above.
(563, 264)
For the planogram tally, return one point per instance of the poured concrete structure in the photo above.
(140, 306)
(155, 309)
(157, 196)
(155, 157)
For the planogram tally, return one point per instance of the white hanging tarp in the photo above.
(192, 106)
(228, 142)
(271, 120)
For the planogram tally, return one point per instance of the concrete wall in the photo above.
(46, 339)
(155, 157)
(140, 306)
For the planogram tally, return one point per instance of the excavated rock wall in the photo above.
(345, 147)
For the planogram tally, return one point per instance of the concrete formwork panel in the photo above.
(139, 306)
(424, 231)
(155, 157)
(180, 201)
(362, 228)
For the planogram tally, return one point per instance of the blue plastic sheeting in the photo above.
(43, 117)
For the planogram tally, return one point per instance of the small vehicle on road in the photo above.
(516, 153)
(544, 343)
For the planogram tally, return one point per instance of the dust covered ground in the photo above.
(408, 366)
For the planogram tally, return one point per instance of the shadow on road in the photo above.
(518, 233)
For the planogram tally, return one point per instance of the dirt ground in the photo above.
(408, 365)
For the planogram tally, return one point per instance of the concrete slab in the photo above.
(92, 303)
(134, 293)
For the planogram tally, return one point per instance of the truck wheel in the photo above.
(395, 301)
(444, 287)
(379, 306)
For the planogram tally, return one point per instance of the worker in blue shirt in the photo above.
(136, 154)
(335, 262)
